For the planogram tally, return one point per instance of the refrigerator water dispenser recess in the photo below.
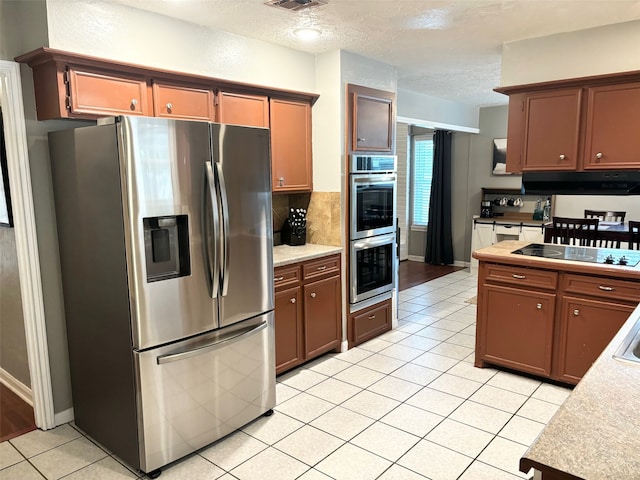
(166, 245)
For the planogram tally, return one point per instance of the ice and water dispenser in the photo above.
(166, 247)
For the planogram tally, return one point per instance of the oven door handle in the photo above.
(373, 242)
(374, 178)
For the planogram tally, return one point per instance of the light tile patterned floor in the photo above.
(407, 405)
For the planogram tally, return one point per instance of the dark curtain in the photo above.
(439, 249)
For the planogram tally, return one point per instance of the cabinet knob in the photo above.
(599, 155)
(360, 139)
(169, 106)
(576, 312)
(562, 157)
(293, 300)
(313, 294)
(281, 181)
(539, 306)
(134, 102)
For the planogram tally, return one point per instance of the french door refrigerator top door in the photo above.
(245, 249)
(162, 164)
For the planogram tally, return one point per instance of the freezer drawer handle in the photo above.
(174, 357)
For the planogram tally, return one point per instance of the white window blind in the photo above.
(422, 173)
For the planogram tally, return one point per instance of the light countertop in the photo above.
(285, 254)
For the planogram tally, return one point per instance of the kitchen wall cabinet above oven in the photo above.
(372, 119)
(580, 124)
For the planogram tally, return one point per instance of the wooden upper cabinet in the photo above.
(373, 119)
(93, 92)
(552, 130)
(613, 127)
(589, 123)
(290, 145)
(182, 102)
(243, 109)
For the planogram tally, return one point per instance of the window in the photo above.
(421, 181)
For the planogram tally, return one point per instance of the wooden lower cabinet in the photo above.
(553, 324)
(308, 306)
(586, 327)
(369, 322)
(518, 330)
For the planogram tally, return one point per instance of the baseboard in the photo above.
(415, 258)
(344, 346)
(16, 386)
(63, 417)
(460, 263)
(457, 263)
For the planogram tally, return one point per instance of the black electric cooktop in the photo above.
(612, 256)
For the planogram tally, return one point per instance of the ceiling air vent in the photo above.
(295, 5)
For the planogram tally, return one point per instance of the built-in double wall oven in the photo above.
(373, 184)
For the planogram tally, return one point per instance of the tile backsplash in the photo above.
(323, 216)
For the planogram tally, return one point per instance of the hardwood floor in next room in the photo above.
(413, 273)
(16, 415)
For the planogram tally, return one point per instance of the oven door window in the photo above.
(373, 209)
(374, 268)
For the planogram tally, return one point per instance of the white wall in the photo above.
(608, 49)
(432, 112)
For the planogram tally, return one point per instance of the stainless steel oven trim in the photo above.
(353, 164)
(366, 178)
(363, 244)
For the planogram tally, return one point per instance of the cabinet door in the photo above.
(552, 130)
(322, 303)
(372, 123)
(174, 101)
(515, 132)
(290, 146)
(243, 109)
(96, 93)
(482, 235)
(532, 234)
(516, 328)
(612, 137)
(586, 328)
(288, 329)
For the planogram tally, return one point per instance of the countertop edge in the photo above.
(287, 255)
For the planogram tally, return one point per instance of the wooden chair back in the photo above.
(634, 235)
(605, 216)
(575, 231)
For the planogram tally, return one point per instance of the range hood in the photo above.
(611, 182)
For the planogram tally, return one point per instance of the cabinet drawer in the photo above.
(285, 277)
(371, 322)
(322, 266)
(528, 277)
(609, 288)
(508, 230)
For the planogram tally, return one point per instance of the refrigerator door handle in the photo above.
(211, 252)
(217, 343)
(224, 264)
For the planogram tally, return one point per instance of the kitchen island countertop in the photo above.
(594, 434)
(286, 254)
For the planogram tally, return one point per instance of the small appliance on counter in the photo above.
(486, 211)
(294, 230)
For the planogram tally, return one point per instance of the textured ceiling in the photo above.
(444, 48)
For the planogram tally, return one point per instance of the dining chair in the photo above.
(575, 231)
(634, 235)
(605, 216)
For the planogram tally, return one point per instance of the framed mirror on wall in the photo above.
(6, 215)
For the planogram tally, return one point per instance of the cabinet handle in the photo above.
(324, 267)
(562, 157)
(599, 155)
(371, 317)
(293, 300)
(519, 277)
(169, 106)
(313, 294)
(606, 288)
(361, 139)
(539, 306)
(134, 102)
(277, 279)
(576, 312)
(281, 181)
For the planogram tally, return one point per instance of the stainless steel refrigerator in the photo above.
(165, 240)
